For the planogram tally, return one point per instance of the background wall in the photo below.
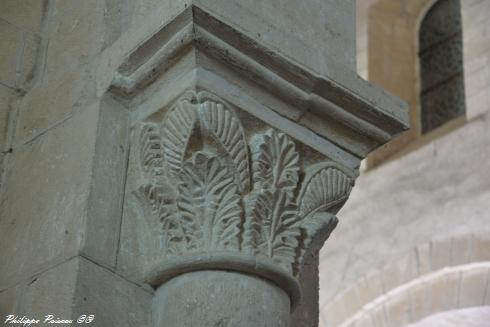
(428, 207)
(49, 121)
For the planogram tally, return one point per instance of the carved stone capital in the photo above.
(230, 199)
(240, 158)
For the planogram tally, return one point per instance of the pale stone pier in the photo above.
(181, 163)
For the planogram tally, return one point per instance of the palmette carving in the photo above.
(205, 200)
(227, 131)
(208, 201)
(176, 132)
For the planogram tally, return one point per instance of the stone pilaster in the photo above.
(240, 158)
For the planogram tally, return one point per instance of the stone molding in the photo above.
(427, 259)
(449, 288)
(226, 201)
(365, 111)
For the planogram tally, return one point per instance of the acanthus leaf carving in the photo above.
(276, 163)
(209, 199)
(151, 151)
(271, 228)
(272, 216)
(176, 131)
(325, 187)
(227, 131)
(207, 202)
(175, 236)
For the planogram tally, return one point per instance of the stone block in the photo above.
(364, 291)
(440, 254)
(421, 307)
(51, 292)
(373, 286)
(18, 55)
(78, 287)
(25, 14)
(321, 321)
(75, 35)
(113, 300)
(38, 112)
(487, 293)
(473, 286)
(44, 211)
(476, 81)
(378, 316)
(461, 250)
(423, 258)
(352, 301)
(282, 26)
(10, 52)
(364, 321)
(400, 272)
(444, 292)
(9, 300)
(481, 247)
(107, 187)
(474, 15)
(77, 28)
(398, 308)
(478, 104)
(334, 312)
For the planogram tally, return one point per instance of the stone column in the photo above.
(183, 159)
(226, 192)
(241, 154)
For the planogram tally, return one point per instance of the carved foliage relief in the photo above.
(213, 189)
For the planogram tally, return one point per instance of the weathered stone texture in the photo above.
(65, 178)
(113, 300)
(26, 14)
(104, 208)
(43, 213)
(5, 96)
(442, 181)
(9, 53)
(473, 287)
(220, 298)
(281, 25)
(50, 292)
(444, 290)
(470, 317)
(476, 38)
(74, 34)
(307, 313)
(76, 287)
(462, 199)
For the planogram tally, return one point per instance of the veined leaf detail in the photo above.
(151, 150)
(271, 228)
(325, 188)
(221, 124)
(176, 232)
(259, 209)
(176, 132)
(276, 163)
(209, 199)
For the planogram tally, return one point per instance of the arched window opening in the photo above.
(441, 65)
